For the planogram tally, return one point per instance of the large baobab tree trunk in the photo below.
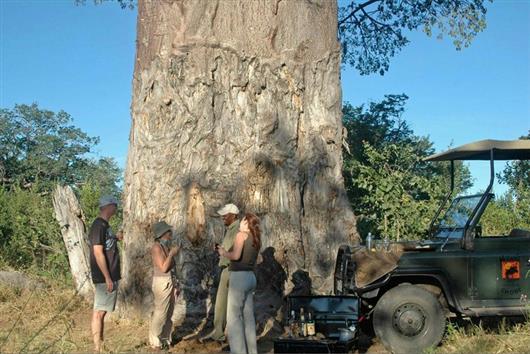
(236, 101)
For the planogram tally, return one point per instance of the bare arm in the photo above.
(237, 248)
(161, 261)
(102, 264)
(101, 261)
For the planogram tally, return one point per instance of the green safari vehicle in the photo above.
(457, 271)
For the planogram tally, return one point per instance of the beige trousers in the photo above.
(219, 318)
(164, 302)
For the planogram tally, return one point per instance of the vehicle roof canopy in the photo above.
(480, 150)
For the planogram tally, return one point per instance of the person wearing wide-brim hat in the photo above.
(164, 288)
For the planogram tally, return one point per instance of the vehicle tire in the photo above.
(409, 319)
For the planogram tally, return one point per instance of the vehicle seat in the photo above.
(519, 233)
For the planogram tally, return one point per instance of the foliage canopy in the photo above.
(373, 31)
(38, 149)
(42, 147)
(511, 210)
(394, 193)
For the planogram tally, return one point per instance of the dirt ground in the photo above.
(54, 320)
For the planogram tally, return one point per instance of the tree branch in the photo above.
(358, 8)
(48, 248)
(383, 25)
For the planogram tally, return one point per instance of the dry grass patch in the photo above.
(53, 319)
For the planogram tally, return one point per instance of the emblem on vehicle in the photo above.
(510, 269)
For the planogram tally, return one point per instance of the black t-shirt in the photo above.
(101, 234)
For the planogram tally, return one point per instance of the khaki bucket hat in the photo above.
(160, 228)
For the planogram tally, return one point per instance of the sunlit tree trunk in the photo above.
(70, 217)
(236, 101)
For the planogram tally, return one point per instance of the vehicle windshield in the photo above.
(455, 219)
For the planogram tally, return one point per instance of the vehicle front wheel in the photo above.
(409, 319)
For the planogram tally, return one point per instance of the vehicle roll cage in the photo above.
(491, 150)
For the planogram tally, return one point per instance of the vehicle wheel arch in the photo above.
(436, 285)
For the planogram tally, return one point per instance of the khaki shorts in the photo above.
(103, 300)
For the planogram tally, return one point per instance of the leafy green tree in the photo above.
(42, 146)
(39, 148)
(5, 222)
(521, 206)
(394, 200)
(392, 190)
(499, 217)
(373, 31)
(104, 173)
(378, 124)
(512, 209)
(517, 173)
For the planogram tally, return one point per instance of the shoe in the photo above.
(210, 337)
(206, 338)
(221, 339)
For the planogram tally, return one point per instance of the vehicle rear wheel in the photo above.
(409, 319)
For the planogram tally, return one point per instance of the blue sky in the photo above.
(76, 58)
(80, 59)
(455, 97)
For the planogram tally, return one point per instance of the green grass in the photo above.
(494, 337)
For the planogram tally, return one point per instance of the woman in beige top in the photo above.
(164, 288)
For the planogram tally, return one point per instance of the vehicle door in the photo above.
(500, 271)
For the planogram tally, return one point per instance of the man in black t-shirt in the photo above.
(104, 266)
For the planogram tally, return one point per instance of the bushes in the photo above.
(393, 191)
(29, 235)
(511, 210)
(395, 194)
(38, 149)
(89, 195)
(394, 199)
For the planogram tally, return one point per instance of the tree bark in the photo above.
(70, 217)
(236, 101)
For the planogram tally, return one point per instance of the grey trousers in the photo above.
(241, 324)
(219, 316)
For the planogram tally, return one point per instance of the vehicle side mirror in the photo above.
(478, 231)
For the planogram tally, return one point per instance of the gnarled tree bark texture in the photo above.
(69, 215)
(236, 101)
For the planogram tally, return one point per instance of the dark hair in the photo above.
(253, 226)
